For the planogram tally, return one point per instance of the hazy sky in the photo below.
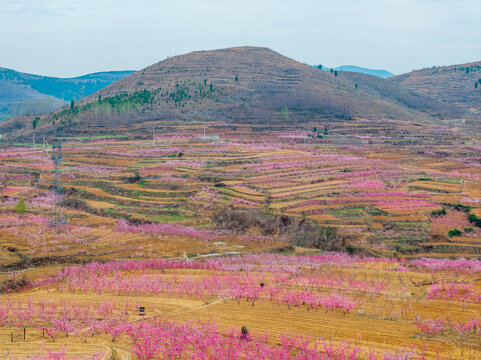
(73, 37)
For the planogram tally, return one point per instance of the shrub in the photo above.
(454, 232)
(475, 220)
(458, 207)
(350, 249)
(438, 212)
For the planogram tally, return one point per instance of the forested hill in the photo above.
(28, 94)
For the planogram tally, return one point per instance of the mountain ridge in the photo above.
(453, 84)
(248, 85)
(260, 77)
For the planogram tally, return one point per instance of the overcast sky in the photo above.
(72, 37)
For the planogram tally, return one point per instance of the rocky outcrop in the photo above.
(293, 230)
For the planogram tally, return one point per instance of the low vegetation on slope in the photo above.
(455, 85)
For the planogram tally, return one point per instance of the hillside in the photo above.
(453, 85)
(375, 86)
(20, 99)
(28, 94)
(244, 84)
(357, 69)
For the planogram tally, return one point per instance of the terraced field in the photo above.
(382, 200)
(173, 222)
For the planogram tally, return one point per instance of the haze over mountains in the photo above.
(258, 85)
(357, 69)
(28, 94)
(384, 74)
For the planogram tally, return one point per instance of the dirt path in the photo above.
(121, 354)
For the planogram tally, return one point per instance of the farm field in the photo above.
(328, 306)
(323, 244)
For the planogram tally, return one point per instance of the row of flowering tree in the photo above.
(321, 293)
(159, 338)
(163, 339)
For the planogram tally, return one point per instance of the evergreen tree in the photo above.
(35, 122)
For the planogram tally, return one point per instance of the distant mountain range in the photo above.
(28, 94)
(352, 68)
(357, 69)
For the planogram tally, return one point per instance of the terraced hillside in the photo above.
(384, 195)
(259, 78)
(454, 85)
(213, 231)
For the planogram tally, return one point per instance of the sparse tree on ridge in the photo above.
(35, 122)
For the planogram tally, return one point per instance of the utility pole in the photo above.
(46, 144)
(34, 141)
